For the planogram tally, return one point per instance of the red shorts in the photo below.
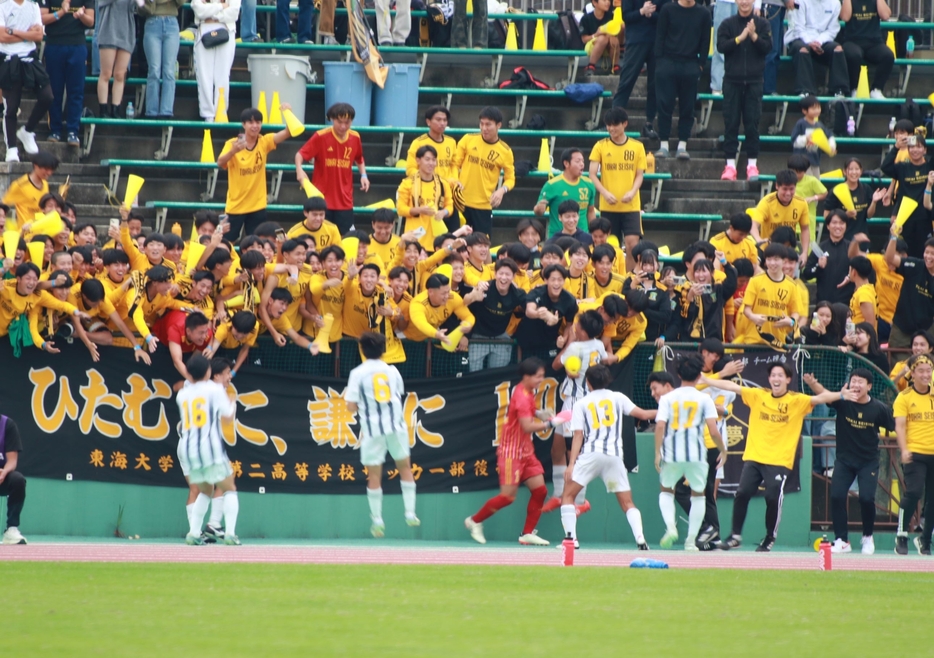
(516, 471)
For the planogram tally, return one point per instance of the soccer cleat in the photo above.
(475, 529)
(532, 539)
(193, 540)
(705, 546)
(412, 521)
(74, 141)
(923, 549)
(28, 139)
(583, 508)
(840, 546)
(765, 546)
(642, 546)
(12, 536)
(213, 533)
(708, 534)
(752, 173)
(551, 505)
(12, 154)
(869, 546)
(901, 545)
(729, 173)
(669, 538)
(378, 529)
(208, 539)
(731, 542)
(232, 540)
(54, 137)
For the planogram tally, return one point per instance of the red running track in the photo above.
(442, 555)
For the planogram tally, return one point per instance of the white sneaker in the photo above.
(28, 139)
(691, 546)
(853, 93)
(13, 536)
(869, 546)
(476, 530)
(840, 546)
(877, 94)
(412, 521)
(532, 539)
(12, 154)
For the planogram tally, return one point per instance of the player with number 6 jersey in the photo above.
(375, 390)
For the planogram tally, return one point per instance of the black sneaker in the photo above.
(710, 545)
(213, 534)
(766, 545)
(923, 549)
(730, 542)
(708, 534)
(648, 132)
(901, 545)
(643, 546)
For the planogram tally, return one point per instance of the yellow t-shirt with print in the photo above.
(774, 426)
(246, 176)
(619, 165)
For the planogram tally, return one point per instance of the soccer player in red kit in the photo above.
(334, 151)
(515, 456)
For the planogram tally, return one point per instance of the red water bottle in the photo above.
(826, 562)
(567, 551)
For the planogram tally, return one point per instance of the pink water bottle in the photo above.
(826, 562)
(567, 551)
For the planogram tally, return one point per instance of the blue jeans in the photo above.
(160, 41)
(775, 15)
(95, 53)
(248, 20)
(305, 10)
(66, 66)
(721, 11)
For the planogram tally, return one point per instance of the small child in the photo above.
(804, 128)
(808, 188)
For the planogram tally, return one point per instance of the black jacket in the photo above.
(743, 62)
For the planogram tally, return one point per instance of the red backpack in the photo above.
(522, 78)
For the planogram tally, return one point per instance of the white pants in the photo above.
(385, 31)
(212, 70)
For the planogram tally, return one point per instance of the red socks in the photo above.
(493, 505)
(534, 510)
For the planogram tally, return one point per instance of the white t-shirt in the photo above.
(685, 411)
(377, 389)
(590, 352)
(19, 16)
(599, 415)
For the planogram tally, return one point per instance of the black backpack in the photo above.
(901, 38)
(841, 109)
(564, 33)
(496, 34)
(911, 111)
(522, 78)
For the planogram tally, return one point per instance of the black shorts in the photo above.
(342, 218)
(246, 221)
(625, 223)
(479, 219)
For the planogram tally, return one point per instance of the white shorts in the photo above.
(565, 428)
(695, 472)
(373, 448)
(609, 468)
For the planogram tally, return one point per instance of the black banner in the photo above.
(755, 374)
(115, 421)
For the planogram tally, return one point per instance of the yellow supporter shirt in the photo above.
(615, 284)
(102, 310)
(298, 289)
(904, 382)
(619, 262)
(386, 252)
(414, 192)
(357, 309)
(13, 305)
(428, 318)
(580, 286)
(918, 411)
(865, 293)
(619, 164)
(629, 331)
(24, 196)
(446, 148)
(888, 287)
(771, 299)
(423, 268)
(246, 176)
(770, 214)
(474, 275)
(139, 262)
(774, 426)
(480, 164)
(326, 235)
(734, 251)
(225, 337)
(328, 301)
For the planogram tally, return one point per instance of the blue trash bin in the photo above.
(346, 82)
(396, 104)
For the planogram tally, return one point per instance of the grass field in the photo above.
(323, 610)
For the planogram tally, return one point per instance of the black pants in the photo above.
(479, 219)
(919, 479)
(14, 488)
(867, 477)
(857, 54)
(676, 78)
(343, 219)
(754, 474)
(741, 101)
(12, 97)
(804, 67)
(636, 56)
(247, 222)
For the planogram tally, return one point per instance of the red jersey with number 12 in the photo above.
(333, 162)
(517, 444)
